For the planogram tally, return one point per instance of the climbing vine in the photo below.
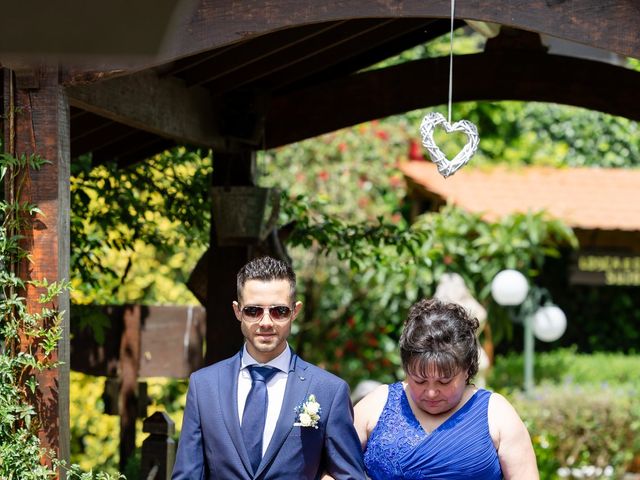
(29, 339)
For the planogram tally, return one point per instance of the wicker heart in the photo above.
(446, 167)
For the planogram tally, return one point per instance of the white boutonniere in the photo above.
(308, 413)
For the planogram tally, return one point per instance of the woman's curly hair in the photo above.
(439, 338)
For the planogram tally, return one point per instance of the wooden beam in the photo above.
(163, 106)
(224, 337)
(505, 75)
(611, 26)
(129, 368)
(37, 123)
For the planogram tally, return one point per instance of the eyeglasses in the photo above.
(277, 313)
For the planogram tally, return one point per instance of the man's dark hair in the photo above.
(439, 338)
(266, 269)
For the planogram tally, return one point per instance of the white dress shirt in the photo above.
(275, 389)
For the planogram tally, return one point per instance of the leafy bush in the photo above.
(582, 431)
(95, 435)
(584, 419)
(566, 366)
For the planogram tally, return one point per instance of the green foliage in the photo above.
(30, 337)
(581, 416)
(136, 226)
(93, 441)
(359, 262)
(566, 366)
(94, 437)
(581, 428)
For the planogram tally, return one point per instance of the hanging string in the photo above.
(453, 8)
(434, 119)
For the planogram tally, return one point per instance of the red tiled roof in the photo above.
(588, 198)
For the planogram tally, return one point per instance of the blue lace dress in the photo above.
(461, 448)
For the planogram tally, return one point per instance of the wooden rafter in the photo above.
(341, 52)
(422, 32)
(98, 139)
(132, 148)
(311, 55)
(228, 60)
(534, 76)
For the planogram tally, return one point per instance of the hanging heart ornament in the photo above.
(445, 166)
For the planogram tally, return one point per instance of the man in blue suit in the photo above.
(265, 413)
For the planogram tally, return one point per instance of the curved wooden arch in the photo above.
(493, 76)
(611, 26)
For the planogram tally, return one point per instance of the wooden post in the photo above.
(224, 337)
(129, 367)
(36, 121)
(158, 449)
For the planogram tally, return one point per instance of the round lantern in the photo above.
(549, 323)
(509, 287)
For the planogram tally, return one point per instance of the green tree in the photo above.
(361, 265)
(138, 231)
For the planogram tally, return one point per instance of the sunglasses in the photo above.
(254, 313)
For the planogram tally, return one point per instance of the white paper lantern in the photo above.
(549, 323)
(509, 287)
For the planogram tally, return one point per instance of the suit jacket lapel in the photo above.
(228, 397)
(295, 393)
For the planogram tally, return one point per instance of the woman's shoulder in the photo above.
(374, 398)
(498, 404)
(502, 415)
(369, 409)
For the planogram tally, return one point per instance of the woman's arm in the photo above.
(367, 411)
(512, 440)
(365, 416)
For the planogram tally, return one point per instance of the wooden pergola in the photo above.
(237, 77)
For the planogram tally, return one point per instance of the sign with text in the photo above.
(601, 268)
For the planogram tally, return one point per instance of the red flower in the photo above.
(323, 175)
(342, 147)
(415, 150)
(382, 135)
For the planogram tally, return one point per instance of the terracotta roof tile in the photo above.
(588, 198)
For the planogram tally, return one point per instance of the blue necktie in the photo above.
(255, 412)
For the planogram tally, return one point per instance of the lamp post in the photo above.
(547, 322)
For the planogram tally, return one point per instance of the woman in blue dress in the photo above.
(436, 424)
